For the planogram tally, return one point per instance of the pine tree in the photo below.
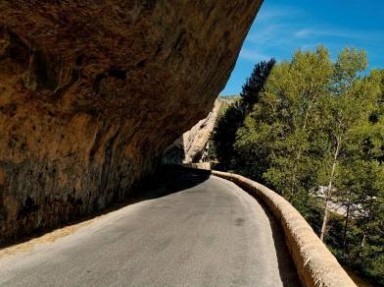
(227, 125)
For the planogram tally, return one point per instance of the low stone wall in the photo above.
(199, 165)
(315, 264)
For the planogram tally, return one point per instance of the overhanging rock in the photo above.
(91, 92)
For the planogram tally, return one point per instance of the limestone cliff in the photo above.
(192, 145)
(91, 93)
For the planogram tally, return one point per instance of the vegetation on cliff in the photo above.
(314, 132)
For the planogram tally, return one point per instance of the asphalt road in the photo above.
(209, 234)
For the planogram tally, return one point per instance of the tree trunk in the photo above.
(328, 193)
(346, 228)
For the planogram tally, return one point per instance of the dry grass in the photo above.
(46, 238)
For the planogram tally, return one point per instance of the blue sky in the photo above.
(283, 26)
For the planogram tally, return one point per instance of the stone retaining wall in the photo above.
(199, 165)
(315, 264)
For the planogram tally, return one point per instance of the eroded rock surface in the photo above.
(91, 93)
(192, 145)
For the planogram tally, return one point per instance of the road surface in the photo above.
(211, 233)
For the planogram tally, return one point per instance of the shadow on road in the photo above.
(166, 180)
(287, 268)
(170, 179)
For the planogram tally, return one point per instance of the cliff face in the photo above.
(91, 93)
(191, 146)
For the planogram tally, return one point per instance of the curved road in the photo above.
(210, 234)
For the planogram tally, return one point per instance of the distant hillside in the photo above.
(229, 97)
(226, 101)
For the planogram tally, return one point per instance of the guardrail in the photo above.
(315, 264)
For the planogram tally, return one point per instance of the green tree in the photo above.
(276, 135)
(227, 125)
(224, 134)
(344, 109)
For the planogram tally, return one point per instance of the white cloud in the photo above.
(278, 12)
(253, 55)
(340, 33)
(264, 35)
(302, 33)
